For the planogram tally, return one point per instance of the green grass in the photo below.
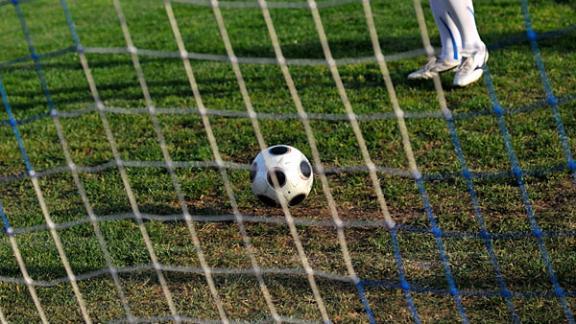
(517, 83)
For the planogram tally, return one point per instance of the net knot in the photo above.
(447, 114)
(391, 225)
(499, 111)
(552, 100)
(484, 234)
(281, 60)
(309, 271)
(454, 291)
(339, 223)
(28, 280)
(50, 224)
(517, 171)
(531, 35)
(506, 293)
(405, 285)
(416, 174)
(9, 231)
(537, 233)
(559, 291)
(371, 166)
(572, 165)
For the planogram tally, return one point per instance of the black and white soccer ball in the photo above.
(293, 173)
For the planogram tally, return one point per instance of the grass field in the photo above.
(518, 87)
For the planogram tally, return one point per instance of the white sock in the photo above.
(449, 33)
(462, 13)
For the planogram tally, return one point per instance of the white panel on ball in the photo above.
(293, 173)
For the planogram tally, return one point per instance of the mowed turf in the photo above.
(518, 87)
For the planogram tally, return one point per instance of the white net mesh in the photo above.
(351, 279)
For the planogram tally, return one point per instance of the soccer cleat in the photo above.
(471, 68)
(434, 66)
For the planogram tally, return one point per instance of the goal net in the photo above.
(128, 128)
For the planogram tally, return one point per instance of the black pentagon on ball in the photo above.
(306, 169)
(297, 199)
(280, 177)
(279, 150)
(253, 171)
(267, 201)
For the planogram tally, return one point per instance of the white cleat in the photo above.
(433, 67)
(471, 68)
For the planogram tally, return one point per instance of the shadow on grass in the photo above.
(225, 84)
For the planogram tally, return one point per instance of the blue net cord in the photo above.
(404, 284)
(484, 233)
(437, 233)
(550, 97)
(5, 222)
(35, 58)
(52, 112)
(26, 58)
(519, 175)
(361, 290)
(14, 126)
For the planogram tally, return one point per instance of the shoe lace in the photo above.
(467, 65)
(430, 64)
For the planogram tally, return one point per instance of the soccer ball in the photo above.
(293, 172)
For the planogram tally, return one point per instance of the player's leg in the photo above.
(450, 40)
(474, 53)
(450, 37)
